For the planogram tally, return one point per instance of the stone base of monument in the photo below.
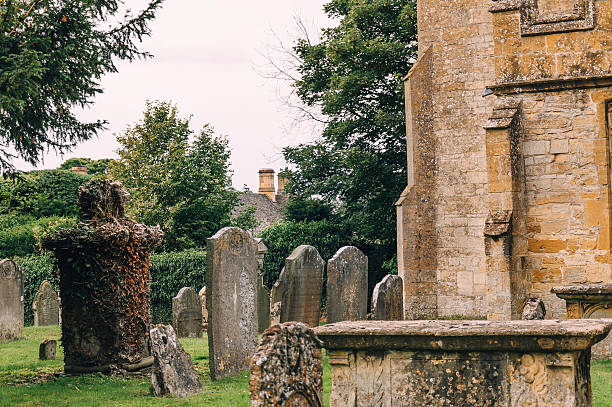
(47, 350)
(592, 301)
(461, 363)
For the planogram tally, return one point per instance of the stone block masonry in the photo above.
(507, 195)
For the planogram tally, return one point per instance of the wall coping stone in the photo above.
(467, 336)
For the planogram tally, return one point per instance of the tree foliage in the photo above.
(52, 56)
(181, 184)
(353, 75)
(94, 167)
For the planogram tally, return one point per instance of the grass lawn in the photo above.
(20, 369)
(21, 383)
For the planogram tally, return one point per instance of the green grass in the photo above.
(27, 381)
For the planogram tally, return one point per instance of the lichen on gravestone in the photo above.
(287, 368)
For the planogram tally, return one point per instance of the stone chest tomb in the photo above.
(461, 363)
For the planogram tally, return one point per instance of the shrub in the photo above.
(20, 235)
(36, 269)
(170, 272)
(42, 193)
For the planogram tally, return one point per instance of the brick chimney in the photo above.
(266, 183)
(282, 182)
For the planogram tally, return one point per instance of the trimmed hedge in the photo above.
(20, 235)
(169, 273)
(36, 269)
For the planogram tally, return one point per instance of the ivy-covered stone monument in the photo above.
(104, 281)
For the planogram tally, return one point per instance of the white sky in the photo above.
(206, 54)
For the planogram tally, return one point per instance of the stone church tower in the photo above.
(508, 115)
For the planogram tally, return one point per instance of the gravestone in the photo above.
(173, 372)
(11, 301)
(303, 283)
(47, 349)
(105, 283)
(231, 284)
(263, 293)
(202, 294)
(187, 314)
(388, 299)
(46, 306)
(534, 309)
(347, 285)
(263, 305)
(287, 368)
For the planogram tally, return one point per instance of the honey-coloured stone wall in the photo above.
(441, 214)
(554, 58)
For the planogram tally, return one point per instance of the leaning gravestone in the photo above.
(11, 301)
(173, 372)
(104, 280)
(187, 314)
(347, 285)
(46, 306)
(287, 368)
(202, 295)
(303, 283)
(231, 284)
(263, 305)
(388, 299)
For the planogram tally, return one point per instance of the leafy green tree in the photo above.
(307, 209)
(52, 56)
(353, 76)
(183, 186)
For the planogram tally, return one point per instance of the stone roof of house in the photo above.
(267, 212)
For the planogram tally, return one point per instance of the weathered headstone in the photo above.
(276, 294)
(202, 294)
(275, 311)
(231, 284)
(534, 309)
(46, 306)
(47, 349)
(262, 249)
(388, 299)
(347, 285)
(173, 372)
(263, 305)
(263, 293)
(11, 301)
(187, 314)
(287, 368)
(303, 283)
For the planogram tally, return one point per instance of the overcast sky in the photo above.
(206, 58)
